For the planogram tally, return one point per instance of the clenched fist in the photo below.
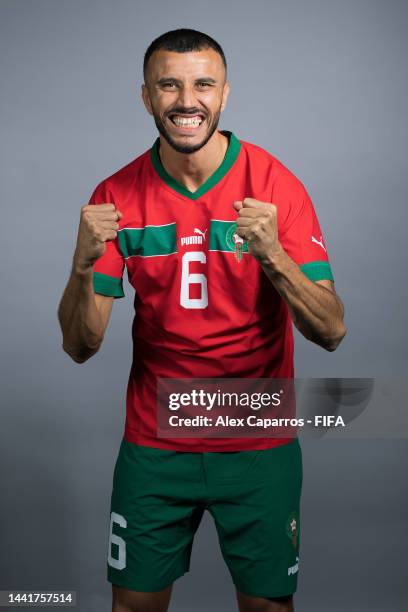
(258, 224)
(98, 223)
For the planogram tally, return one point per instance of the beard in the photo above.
(186, 148)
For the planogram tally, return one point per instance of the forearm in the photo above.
(79, 318)
(316, 311)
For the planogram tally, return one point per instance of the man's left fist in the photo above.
(258, 224)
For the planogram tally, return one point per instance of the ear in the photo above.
(146, 99)
(225, 95)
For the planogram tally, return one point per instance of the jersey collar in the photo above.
(231, 155)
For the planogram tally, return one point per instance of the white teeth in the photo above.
(183, 121)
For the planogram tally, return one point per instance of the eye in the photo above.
(168, 85)
(203, 84)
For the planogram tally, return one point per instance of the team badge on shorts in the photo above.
(292, 528)
(235, 242)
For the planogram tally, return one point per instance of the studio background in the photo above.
(322, 86)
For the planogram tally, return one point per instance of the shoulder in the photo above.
(120, 181)
(283, 181)
(285, 189)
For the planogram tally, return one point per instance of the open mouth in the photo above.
(188, 122)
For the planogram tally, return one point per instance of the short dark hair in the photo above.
(182, 41)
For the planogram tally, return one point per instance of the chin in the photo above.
(186, 147)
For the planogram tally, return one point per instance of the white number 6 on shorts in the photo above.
(120, 562)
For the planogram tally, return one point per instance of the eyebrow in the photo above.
(164, 80)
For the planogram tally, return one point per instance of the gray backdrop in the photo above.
(322, 86)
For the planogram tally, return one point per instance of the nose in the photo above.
(187, 97)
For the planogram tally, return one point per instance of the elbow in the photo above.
(79, 358)
(82, 356)
(331, 343)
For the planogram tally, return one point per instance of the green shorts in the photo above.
(159, 497)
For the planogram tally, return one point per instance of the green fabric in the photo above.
(108, 285)
(149, 240)
(158, 500)
(317, 270)
(231, 155)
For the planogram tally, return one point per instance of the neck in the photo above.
(193, 169)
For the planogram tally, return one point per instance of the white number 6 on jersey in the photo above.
(188, 278)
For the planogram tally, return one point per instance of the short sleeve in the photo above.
(302, 239)
(108, 269)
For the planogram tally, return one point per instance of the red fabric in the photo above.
(246, 330)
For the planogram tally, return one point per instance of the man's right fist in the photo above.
(98, 223)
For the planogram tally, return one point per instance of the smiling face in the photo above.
(186, 93)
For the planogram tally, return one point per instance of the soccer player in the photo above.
(224, 250)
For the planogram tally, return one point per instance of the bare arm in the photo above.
(315, 308)
(83, 314)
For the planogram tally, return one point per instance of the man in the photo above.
(224, 250)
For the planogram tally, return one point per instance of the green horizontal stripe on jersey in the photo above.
(148, 241)
(221, 233)
(108, 285)
(317, 270)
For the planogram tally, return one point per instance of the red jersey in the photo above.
(200, 312)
